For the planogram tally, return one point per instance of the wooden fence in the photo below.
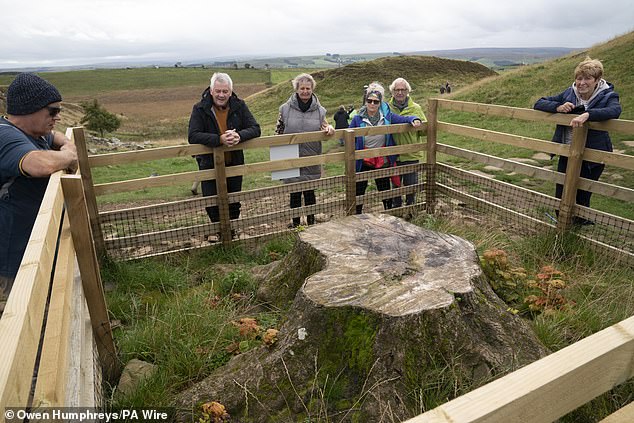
(612, 233)
(42, 270)
(55, 333)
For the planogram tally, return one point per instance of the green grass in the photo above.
(177, 313)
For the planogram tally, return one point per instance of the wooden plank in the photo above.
(127, 157)
(78, 307)
(78, 137)
(154, 182)
(624, 415)
(614, 159)
(389, 151)
(602, 188)
(150, 154)
(559, 383)
(89, 269)
(573, 170)
(616, 125)
(431, 160)
(88, 372)
(21, 323)
(524, 169)
(504, 111)
(54, 362)
(518, 191)
(221, 197)
(502, 138)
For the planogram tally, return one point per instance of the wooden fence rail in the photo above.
(551, 387)
(47, 311)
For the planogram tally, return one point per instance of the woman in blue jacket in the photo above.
(592, 99)
(376, 112)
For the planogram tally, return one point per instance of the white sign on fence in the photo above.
(284, 152)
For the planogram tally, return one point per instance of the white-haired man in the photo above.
(221, 118)
(401, 104)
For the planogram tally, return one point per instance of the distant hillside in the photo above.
(495, 58)
(523, 86)
(498, 58)
(345, 85)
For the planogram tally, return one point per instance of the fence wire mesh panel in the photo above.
(473, 196)
(186, 224)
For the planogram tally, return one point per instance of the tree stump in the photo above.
(390, 320)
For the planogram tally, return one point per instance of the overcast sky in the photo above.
(72, 32)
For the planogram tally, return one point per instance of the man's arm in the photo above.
(42, 163)
(250, 127)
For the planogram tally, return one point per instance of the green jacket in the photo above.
(412, 109)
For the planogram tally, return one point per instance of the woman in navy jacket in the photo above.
(592, 99)
(376, 112)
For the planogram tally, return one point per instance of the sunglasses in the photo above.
(53, 111)
(370, 101)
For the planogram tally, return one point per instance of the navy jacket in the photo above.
(389, 118)
(203, 127)
(603, 107)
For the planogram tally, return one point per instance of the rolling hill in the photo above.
(523, 86)
(345, 85)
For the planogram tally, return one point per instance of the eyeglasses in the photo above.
(53, 111)
(370, 101)
(400, 90)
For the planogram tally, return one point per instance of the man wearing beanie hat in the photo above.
(30, 151)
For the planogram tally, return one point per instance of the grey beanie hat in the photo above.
(29, 93)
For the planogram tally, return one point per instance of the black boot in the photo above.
(310, 219)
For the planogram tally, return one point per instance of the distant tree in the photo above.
(247, 65)
(97, 118)
(266, 66)
(235, 66)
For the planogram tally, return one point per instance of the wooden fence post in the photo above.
(222, 199)
(351, 172)
(89, 269)
(432, 128)
(79, 137)
(573, 170)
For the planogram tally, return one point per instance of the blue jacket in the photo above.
(603, 107)
(389, 118)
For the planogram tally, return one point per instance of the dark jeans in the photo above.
(234, 184)
(406, 180)
(382, 184)
(296, 201)
(589, 170)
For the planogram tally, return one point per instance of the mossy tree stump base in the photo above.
(390, 320)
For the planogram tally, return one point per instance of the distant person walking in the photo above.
(341, 120)
(221, 118)
(442, 89)
(302, 112)
(376, 112)
(590, 98)
(448, 87)
(30, 151)
(401, 104)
